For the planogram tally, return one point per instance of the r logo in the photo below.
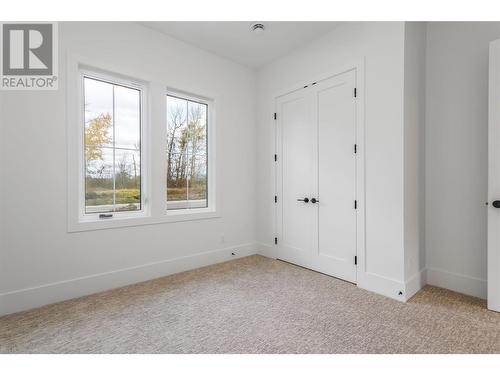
(27, 49)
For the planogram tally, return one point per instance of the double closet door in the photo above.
(316, 176)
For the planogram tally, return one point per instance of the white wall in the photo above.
(456, 153)
(35, 248)
(414, 157)
(382, 46)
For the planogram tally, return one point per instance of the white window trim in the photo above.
(153, 155)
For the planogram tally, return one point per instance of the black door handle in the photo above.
(305, 200)
(314, 200)
(496, 204)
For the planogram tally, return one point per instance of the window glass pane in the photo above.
(98, 113)
(197, 182)
(99, 180)
(177, 182)
(127, 118)
(177, 125)
(112, 147)
(186, 153)
(197, 132)
(127, 180)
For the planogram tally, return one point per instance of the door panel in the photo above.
(337, 177)
(297, 164)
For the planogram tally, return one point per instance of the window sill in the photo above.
(139, 220)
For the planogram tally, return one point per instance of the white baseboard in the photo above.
(471, 286)
(415, 283)
(37, 296)
(268, 251)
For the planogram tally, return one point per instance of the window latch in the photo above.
(105, 216)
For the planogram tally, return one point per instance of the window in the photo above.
(187, 153)
(138, 153)
(112, 147)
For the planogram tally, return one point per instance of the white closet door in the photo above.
(316, 179)
(336, 122)
(297, 181)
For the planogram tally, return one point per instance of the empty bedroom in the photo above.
(231, 181)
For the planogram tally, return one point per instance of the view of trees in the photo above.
(187, 151)
(97, 134)
(112, 149)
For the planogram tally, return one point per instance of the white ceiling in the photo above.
(236, 41)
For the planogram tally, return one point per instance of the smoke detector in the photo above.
(258, 28)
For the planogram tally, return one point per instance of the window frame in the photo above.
(118, 81)
(211, 196)
(113, 79)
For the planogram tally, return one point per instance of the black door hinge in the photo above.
(355, 92)
(275, 116)
(275, 157)
(355, 204)
(275, 199)
(275, 240)
(355, 148)
(355, 259)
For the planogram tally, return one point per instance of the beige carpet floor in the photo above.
(254, 305)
